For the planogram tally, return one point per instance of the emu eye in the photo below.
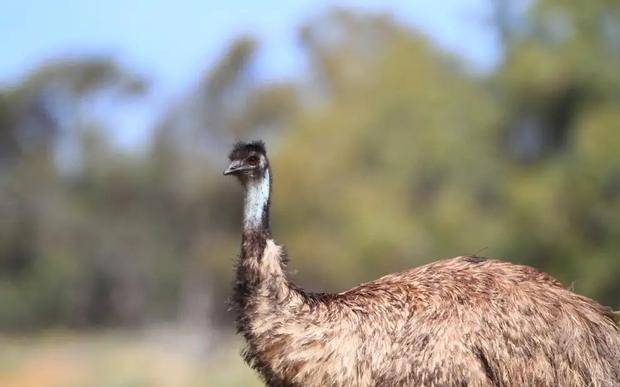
(252, 160)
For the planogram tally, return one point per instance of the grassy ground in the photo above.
(118, 359)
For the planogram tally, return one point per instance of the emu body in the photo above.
(456, 322)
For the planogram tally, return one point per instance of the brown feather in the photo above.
(453, 322)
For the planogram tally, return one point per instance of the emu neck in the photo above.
(257, 201)
(260, 270)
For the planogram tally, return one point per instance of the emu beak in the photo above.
(234, 167)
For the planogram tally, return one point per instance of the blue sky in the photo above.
(173, 42)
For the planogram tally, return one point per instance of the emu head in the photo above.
(248, 161)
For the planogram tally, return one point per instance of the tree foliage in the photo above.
(389, 155)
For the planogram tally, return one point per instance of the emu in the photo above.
(464, 321)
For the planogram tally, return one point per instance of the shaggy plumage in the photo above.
(465, 321)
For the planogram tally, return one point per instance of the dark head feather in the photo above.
(242, 149)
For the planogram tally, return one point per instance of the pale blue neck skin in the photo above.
(256, 198)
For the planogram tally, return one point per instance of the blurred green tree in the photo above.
(40, 260)
(391, 153)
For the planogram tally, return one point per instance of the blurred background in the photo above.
(399, 132)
